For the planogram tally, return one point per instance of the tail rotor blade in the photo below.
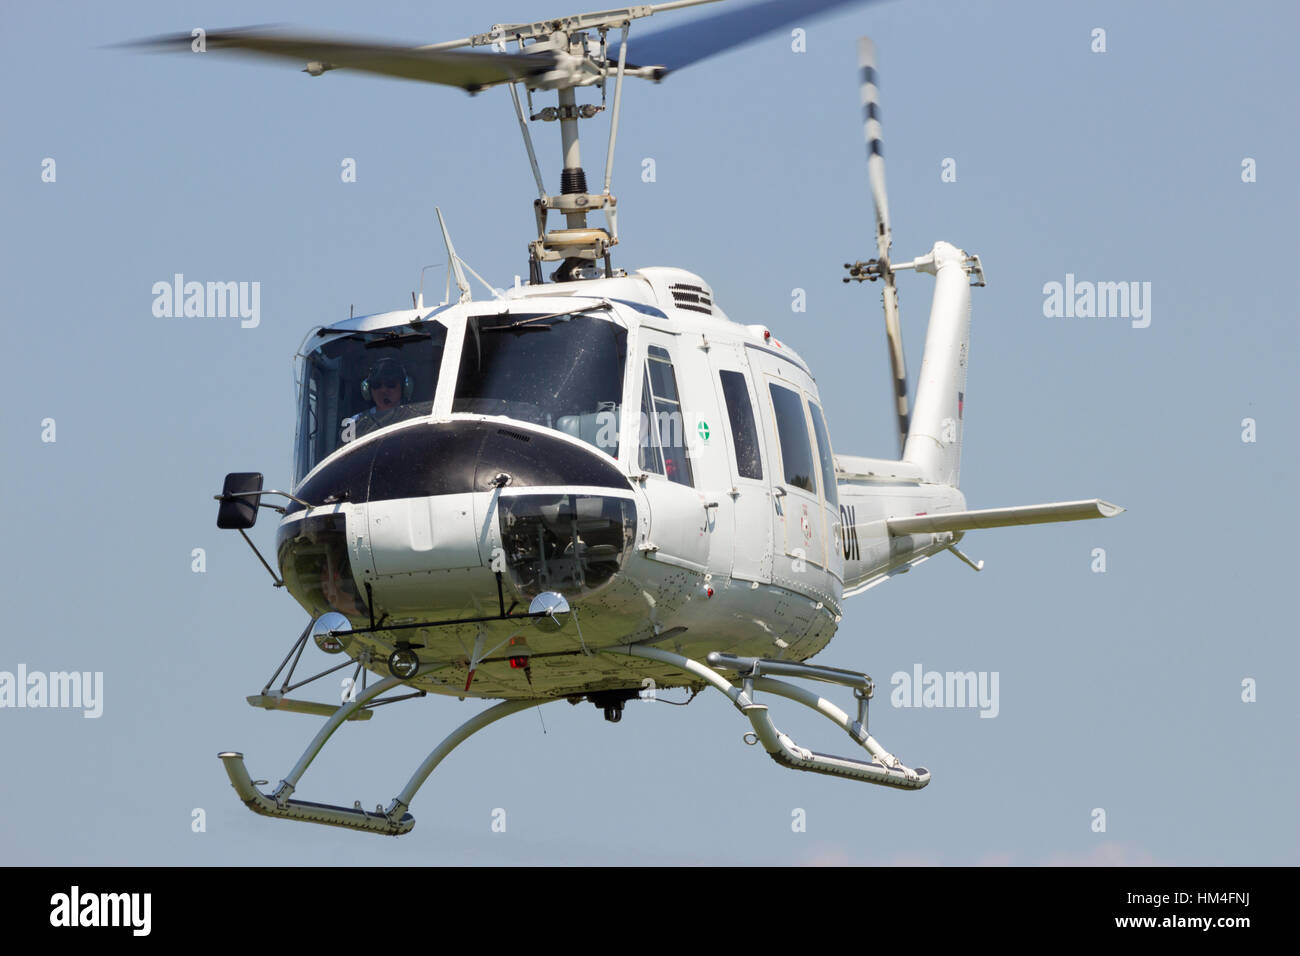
(894, 334)
(871, 132)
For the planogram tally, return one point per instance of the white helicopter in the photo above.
(581, 488)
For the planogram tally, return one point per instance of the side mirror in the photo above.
(336, 642)
(556, 608)
(240, 496)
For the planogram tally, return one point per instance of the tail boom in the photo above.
(934, 437)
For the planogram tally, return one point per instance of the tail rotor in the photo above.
(879, 268)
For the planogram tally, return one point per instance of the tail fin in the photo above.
(934, 439)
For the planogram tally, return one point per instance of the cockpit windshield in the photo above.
(559, 371)
(357, 382)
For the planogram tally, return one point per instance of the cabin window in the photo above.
(792, 430)
(824, 454)
(735, 392)
(663, 432)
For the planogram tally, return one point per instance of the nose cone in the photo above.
(434, 509)
(430, 459)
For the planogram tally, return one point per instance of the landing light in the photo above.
(403, 663)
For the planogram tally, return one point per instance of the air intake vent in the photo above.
(691, 297)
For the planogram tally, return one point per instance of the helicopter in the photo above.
(596, 481)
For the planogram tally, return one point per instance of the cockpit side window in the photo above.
(357, 382)
(559, 371)
(663, 438)
(651, 457)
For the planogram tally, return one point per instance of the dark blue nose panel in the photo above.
(446, 458)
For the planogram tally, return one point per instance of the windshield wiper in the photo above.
(389, 334)
(530, 320)
(518, 328)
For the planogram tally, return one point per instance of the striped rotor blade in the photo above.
(871, 131)
(897, 363)
(870, 94)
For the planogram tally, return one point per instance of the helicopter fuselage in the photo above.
(685, 496)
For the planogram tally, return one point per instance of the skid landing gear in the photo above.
(753, 674)
(884, 768)
(393, 820)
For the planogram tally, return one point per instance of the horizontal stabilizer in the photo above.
(1003, 517)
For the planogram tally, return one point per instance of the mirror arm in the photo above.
(278, 582)
(270, 491)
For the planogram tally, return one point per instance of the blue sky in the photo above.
(1119, 690)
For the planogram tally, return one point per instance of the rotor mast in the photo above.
(572, 178)
(578, 244)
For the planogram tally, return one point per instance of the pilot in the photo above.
(387, 386)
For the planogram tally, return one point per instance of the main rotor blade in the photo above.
(469, 71)
(691, 42)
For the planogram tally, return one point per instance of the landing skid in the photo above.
(883, 768)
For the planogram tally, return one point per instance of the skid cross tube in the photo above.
(453, 740)
(884, 769)
(751, 668)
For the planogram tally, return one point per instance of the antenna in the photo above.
(461, 282)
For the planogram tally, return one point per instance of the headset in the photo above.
(387, 366)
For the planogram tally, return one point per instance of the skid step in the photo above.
(273, 702)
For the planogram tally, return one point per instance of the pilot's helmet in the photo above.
(387, 371)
